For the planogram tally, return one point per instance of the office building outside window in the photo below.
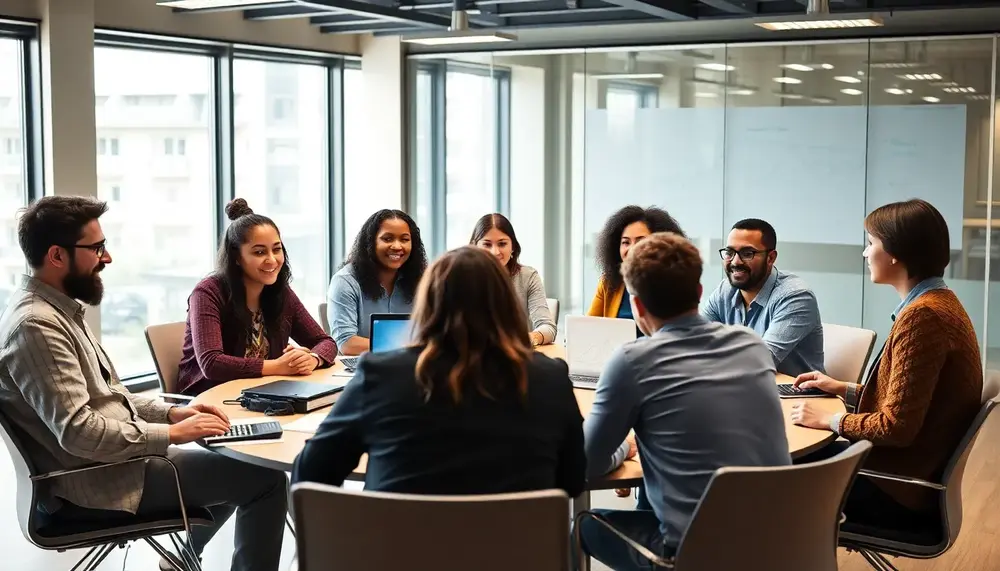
(280, 146)
(154, 138)
(12, 179)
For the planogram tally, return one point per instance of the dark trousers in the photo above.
(640, 525)
(224, 486)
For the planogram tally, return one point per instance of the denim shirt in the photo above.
(784, 313)
(349, 311)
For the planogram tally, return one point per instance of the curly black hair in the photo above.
(609, 261)
(366, 265)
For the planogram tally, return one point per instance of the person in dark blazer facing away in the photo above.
(468, 408)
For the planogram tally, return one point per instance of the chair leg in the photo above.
(290, 524)
(186, 552)
(99, 557)
(877, 561)
(85, 557)
(177, 565)
(885, 562)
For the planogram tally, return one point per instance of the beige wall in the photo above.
(146, 16)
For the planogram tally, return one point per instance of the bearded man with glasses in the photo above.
(778, 305)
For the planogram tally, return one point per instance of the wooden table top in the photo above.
(281, 455)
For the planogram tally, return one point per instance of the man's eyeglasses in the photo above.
(99, 248)
(745, 254)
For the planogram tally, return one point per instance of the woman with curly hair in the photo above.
(623, 230)
(380, 276)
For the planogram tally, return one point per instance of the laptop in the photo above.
(389, 331)
(590, 342)
(303, 396)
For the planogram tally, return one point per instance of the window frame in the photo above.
(221, 124)
(438, 71)
(647, 95)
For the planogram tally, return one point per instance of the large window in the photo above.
(359, 204)
(280, 133)
(155, 167)
(12, 164)
(471, 127)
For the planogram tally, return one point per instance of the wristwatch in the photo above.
(319, 360)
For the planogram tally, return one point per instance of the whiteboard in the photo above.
(813, 172)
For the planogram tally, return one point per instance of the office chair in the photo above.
(846, 351)
(378, 531)
(874, 543)
(166, 344)
(100, 535)
(777, 518)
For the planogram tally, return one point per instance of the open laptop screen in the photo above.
(389, 332)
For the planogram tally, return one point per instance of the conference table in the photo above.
(280, 455)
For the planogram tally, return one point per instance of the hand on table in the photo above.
(817, 380)
(298, 361)
(809, 415)
(196, 427)
(179, 413)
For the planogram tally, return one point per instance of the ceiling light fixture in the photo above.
(931, 99)
(797, 66)
(790, 95)
(822, 99)
(459, 32)
(706, 95)
(895, 91)
(920, 76)
(959, 90)
(201, 4)
(741, 91)
(826, 66)
(818, 17)
(978, 97)
(712, 66)
(847, 79)
(627, 75)
(789, 80)
(851, 91)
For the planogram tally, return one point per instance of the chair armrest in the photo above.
(656, 560)
(90, 467)
(902, 479)
(174, 398)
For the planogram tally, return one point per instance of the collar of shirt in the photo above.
(763, 296)
(58, 299)
(918, 290)
(684, 322)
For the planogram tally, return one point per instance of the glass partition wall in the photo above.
(808, 136)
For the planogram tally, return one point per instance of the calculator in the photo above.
(247, 431)
(787, 391)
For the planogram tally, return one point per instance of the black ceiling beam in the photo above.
(289, 10)
(664, 9)
(336, 19)
(545, 7)
(743, 7)
(411, 17)
(360, 22)
(382, 29)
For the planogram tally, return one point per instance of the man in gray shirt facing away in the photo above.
(699, 395)
(60, 390)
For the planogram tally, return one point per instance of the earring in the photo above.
(894, 262)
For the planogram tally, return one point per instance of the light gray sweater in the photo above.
(530, 290)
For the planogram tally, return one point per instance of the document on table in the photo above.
(308, 423)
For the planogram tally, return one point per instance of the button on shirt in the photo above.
(350, 311)
(784, 313)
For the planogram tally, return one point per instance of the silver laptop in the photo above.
(590, 342)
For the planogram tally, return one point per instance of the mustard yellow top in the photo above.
(606, 302)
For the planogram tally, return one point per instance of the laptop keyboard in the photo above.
(583, 379)
(349, 362)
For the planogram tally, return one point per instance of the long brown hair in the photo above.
(471, 327)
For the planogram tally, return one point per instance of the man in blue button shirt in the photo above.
(779, 306)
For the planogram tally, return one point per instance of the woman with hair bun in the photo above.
(241, 317)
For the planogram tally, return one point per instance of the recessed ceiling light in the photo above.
(851, 91)
(920, 76)
(959, 90)
(790, 80)
(648, 75)
(978, 97)
(797, 66)
(822, 99)
(931, 99)
(741, 91)
(712, 66)
(820, 24)
(895, 91)
(790, 95)
(826, 66)
(847, 79)
(706, 95)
